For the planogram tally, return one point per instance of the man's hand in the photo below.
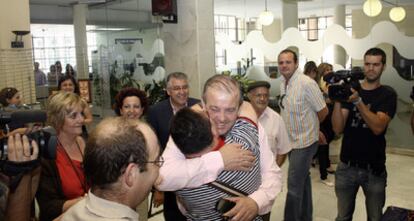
(354, 96)
(322, 138)
(19, 148)
(244, 210)
(235, 158)
(158, 198)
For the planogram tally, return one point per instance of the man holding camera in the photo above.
(363, 120)
(19, 177)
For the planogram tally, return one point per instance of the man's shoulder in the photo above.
(192, 101)
(272, 112)
(388, 90)
(159, 105)
(76, 212)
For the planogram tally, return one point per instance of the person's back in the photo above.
(200, 202)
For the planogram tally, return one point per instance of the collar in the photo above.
(293, 77)
(109, 209)
(174, 108)
(265, 113)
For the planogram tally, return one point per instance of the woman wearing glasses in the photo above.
(62, 181)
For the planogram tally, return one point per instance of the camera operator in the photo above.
(412, 114)
(363, 120)
(19, 178)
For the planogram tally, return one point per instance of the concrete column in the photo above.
(290, 17)
(16, 64)
(339, 52)
(290, 14)
(189, 44)
(79, 24)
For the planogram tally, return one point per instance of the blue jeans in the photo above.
(348, 179)
(298, 205)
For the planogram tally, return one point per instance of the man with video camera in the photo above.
(19, 177)
(363, 119)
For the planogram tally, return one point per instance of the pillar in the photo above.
(339, 19)
(189, 44)
(290, 17)
(16, 64)
(290, 14)
(79, 24)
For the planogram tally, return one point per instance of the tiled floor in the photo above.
(400, 192)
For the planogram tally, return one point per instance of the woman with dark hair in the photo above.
(70, 71)
(311, 70)
(131, 102)
(69, 84)
(10, 98)
(326, 132)
(62, 181)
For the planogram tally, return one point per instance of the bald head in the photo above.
(114, 144)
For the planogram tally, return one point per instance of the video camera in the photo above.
(45, 137)
(341, 82)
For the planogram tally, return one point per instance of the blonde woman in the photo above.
(62, 182)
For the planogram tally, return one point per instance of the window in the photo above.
(53, 43)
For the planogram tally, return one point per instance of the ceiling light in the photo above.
(397, 14)
(266, 17)
(372, 8)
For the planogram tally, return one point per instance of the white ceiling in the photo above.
(115, 12)
(252, 8)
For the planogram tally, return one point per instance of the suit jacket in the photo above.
(159, 116)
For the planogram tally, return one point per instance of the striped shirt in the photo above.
(300, 101)
(200, 202)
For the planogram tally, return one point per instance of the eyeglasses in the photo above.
(281, 101)
(159, 162)
(178, 88)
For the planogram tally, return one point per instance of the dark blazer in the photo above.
(159, 116)
(49, 193)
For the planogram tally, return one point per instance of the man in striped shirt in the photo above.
(194, 136)
(221, 101)
(302, 108)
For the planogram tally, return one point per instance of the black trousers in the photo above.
(171, 211)
(324, 162)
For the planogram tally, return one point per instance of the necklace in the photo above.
(72, 165)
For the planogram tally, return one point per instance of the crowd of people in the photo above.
(217, 158)
(54, 75)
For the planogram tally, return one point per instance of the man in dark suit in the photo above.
(159, 116)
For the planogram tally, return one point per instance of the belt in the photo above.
(359, 165)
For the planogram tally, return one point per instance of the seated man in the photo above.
(121, 164)
(192, 133)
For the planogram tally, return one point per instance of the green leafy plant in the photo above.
(156, 91)
(242, 79)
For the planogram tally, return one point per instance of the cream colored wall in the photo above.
(16, 68)
(361, 29)
(14, 15)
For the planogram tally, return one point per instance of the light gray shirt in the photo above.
(95, 208)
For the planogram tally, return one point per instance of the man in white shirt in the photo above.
(272, 122)
(121, 163)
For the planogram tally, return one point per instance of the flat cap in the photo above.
(257, 84)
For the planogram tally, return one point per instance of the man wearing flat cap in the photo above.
(272, 122)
